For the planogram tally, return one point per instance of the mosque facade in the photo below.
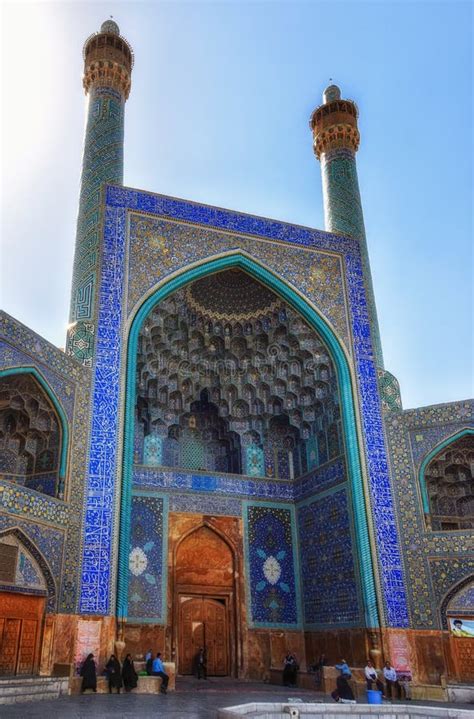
(219, 456)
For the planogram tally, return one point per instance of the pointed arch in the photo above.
(242, 260)
(32, 549)
(63, 423)
(431, 455)
(450, 594)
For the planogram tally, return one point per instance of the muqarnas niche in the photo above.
(231, 379)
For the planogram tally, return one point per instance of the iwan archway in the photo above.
(347, 394)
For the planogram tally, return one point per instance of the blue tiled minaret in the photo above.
(108, 62)
(336, 141)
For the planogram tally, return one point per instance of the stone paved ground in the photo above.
(192, 700)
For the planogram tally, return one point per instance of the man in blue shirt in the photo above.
(158, 670)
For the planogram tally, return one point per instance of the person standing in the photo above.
(158, 670)
(391, 681)
(343, 692)
(129, 675)
(88, 674)
(344, 670)
(114, 674)
(201, 663)
(371, 678)
(290, 668)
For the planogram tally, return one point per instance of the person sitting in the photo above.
(158, 670)
(88, 674)
(129, 675)
(290, 668)
(114, 674)
(391, 681)
(371, 678)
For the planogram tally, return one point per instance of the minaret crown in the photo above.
(334, 123)
(108, 60)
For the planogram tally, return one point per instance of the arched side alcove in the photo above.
(457, 617)
(347, 393)
(446, 483)
(34, 433)
(26, 585)
(204, 601)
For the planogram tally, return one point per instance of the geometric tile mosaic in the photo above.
(271, 567)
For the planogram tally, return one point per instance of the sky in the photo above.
(221, 97)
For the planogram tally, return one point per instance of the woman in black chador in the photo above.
(290, 669)
(114, 674)
(88, 674)
(129, 675)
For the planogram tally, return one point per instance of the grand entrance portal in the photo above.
(203, 623)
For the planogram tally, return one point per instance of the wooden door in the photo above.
(20, 629)
(215, 632)
(203, 623)
(9, 644)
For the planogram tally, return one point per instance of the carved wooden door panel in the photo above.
(9, 645)
(191, 634)
(20, 632)
(27, 649)
(203, 622)
(216, 639)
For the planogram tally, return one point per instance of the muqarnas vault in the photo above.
(219, 457)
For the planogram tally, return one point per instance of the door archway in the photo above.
(204, 601)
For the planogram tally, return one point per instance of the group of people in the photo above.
(122, 676)
(343, 691)
(119, 676)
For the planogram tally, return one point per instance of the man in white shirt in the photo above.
(372, 678)
(391, 681)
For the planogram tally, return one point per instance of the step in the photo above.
(24, 689)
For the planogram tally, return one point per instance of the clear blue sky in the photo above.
(221, 96)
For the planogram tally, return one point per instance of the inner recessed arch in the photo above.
(308, 312)
(230, 379)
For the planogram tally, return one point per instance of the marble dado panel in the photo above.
(70, 381)
(158, 247)
(410, 436)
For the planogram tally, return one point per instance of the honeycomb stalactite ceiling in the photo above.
(30, 437)
(233, 295)
(255, 393)
(450, 484)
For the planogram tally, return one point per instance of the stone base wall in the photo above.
(429, 653)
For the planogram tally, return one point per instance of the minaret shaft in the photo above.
(336, 141)
(107, 71)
